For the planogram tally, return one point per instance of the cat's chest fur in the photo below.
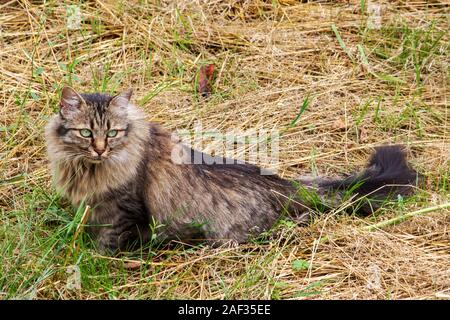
(90, 182)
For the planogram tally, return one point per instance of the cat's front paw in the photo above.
(112, 245)
(107, 246)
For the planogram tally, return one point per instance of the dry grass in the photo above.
(269, 56)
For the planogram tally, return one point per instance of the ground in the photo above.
(336, 78)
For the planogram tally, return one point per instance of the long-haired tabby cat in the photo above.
(103, 151)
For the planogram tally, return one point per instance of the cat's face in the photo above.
(93, 126)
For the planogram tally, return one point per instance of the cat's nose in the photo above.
(99, 151)
(99, 146)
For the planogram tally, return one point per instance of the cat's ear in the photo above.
(70, 102)
(121, 100)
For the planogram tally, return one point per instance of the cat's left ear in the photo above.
(122, 99)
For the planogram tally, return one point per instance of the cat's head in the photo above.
(94, 127)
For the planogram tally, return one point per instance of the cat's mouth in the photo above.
(95, 160)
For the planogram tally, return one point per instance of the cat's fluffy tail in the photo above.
(386, 176)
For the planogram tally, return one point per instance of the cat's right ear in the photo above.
(70, 103)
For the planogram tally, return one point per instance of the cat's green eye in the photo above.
(86, 133)
(112, 133)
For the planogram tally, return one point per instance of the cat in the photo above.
(102, 151)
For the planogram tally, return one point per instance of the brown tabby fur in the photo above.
(135, 180)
